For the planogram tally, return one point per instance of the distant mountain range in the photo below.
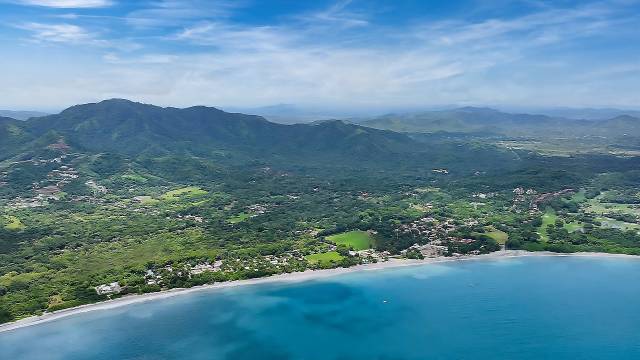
(21, 115)
(290, 113)
(588, 113)
(293, 114)
(490, 121)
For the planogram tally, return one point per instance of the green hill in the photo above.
(12, 137)
(135, 129)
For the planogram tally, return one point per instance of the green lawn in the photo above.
(181, 193)
(148, 200)
(579, 197)
(548, 218)
(324, 258)
(135, 177)
(573, 226)
(239, 218)
(595, 206)
(14, 224)
(617, 224)
(499, 236)
(358, 240)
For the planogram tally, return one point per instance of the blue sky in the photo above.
(337, 54)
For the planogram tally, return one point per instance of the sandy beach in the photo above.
(290, 277)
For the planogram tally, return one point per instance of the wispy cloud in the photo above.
(550, 24)
(338, 14)
(144, 59)
(75, 35)
(229, 37)
(77, 4)
(178, 12)
(59, 33)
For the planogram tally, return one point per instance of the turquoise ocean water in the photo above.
(525, 308)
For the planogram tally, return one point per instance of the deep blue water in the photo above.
(526, 308)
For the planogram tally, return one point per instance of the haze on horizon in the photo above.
(348, 54)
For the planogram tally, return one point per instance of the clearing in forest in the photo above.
(358, 240)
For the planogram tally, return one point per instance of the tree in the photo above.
(5, 316)
(342, 250)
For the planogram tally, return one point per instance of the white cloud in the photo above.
(68, 3)
(179, 12)
(74, 35)
(549, 25)
(60, 33)
(229, 37)
(338, 15)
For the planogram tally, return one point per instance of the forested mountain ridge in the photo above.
(133, 128)
(5, 124)
(11, 134)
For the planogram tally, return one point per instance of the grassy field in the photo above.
(596, 206)
(239, 218)
(617, 224)
(548, 218)
(148, 200)
(358, 240)
(14, 224)
(182, 193)
(573, 226)
(135, 177)
(324, 258)
(579, 197)
(497, 235)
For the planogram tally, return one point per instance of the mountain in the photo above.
(8, 128)
(21, 115)
(625, 124)
(12, 135)
(490, 121)
(133, 128)
(293, 114)
(589, 113)
(463, 120)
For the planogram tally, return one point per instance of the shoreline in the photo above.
(306, 275)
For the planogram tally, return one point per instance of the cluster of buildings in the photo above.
(156, 276)
(96, 188)
(371, 256)
(62, 176)
(108, 289)
(520, 194)
(50, 192)
(257, 209)
(434, 235)
(22, 203)
(548, 196)
(258, 263)
(483, 195)
(427, 250)
(47, 189)
(206, 266)
(194, 218)
(428, 228)
(61, 145)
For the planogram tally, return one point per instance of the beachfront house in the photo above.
(108, 289)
